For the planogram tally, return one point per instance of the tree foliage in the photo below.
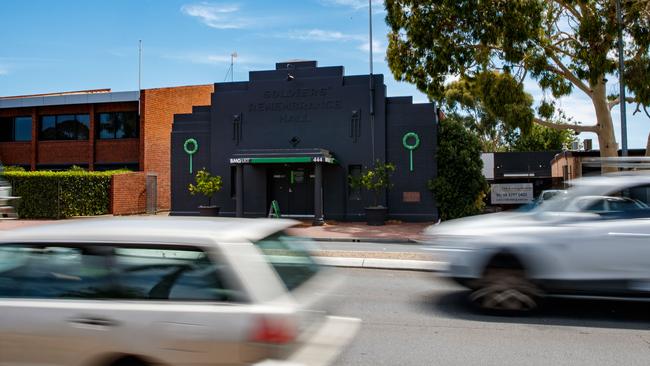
(206, 185)
(564, 45)
(375, 179)
(460, 186)
(496, 107)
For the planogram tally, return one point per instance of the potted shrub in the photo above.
(375, 180)
(207, 185)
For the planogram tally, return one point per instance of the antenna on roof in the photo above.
(231, 69)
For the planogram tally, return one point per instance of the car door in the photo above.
(47, 309)
(72, 305)
(179, 305)
(609, 256)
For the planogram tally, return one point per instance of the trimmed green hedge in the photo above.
(55, 195)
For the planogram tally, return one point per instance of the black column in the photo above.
(318, 195)
(239, 191)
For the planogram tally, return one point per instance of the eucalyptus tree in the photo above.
(565, 46)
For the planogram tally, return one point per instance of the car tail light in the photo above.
(273, 330)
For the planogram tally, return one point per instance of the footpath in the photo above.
(396, 245)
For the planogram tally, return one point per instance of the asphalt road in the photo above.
(414, 318)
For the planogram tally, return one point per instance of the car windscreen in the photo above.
(289, 256)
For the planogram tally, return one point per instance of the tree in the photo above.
(506, 127)
(375, 180)
(460, 186)
(206, 185)
(564, 45)
(539, 138)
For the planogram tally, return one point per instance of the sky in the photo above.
(51, 46)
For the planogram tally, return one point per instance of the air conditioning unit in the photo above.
(575, 145)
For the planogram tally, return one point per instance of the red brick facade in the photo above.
(151, 150)
(158, 109)
(128, 194)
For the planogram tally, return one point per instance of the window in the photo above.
(65, 127)
(117, 125)
(168, 274)
(15, 129)
(54, 272)
(290, 258)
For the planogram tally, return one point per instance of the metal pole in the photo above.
(140, 65)
(372, 87)
(139, 73)
(621, 81)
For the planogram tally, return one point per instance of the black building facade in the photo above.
(294, 135)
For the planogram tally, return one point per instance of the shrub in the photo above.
(46, 194)
(460, 186)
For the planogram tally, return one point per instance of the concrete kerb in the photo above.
(377, 263)
(371, 240)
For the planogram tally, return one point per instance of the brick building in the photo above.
(97, 130)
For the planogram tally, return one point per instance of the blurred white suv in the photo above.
(164, 291)
(593, 241)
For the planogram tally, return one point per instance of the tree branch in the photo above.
(613, 103)
(565, 126)
(569, 75)
(570, 9)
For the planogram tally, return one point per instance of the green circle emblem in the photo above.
(416, 141)
(191, 146)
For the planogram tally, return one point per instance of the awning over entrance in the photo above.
(282, 156)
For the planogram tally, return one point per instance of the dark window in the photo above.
(290, 258)
(354, 171)
(23, 129)
(168, 274)
(233, 181)
(6, 129)
(54, 272)
(65, 127)
(117, 125)
(15, 129)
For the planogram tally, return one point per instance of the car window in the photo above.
(289, 256)
(597, 205)
(54, 272)
(623, 205)
(168, 274)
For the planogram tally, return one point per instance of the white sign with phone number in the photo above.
(512, 193)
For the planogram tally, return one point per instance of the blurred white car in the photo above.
(164, 291)
(593, 241)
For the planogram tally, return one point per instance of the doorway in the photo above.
(292, 186)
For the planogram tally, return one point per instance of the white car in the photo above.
(164, 291)
(562, 248)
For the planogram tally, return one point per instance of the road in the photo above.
(414, 318)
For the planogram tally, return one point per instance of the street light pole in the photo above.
(372, 87)
(621, 81)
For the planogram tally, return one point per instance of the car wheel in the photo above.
(506, 290)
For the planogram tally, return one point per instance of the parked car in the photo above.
(548, 194)
(164, 291)
(565, 247)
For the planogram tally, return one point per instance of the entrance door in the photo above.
(293, 188)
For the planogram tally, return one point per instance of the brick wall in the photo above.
(63, 152)
(15, 153)
(128, 193)
(158, 107)
(117, 151)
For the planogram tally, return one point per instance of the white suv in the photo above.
(164, 291)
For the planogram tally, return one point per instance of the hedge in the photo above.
(55, 195)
